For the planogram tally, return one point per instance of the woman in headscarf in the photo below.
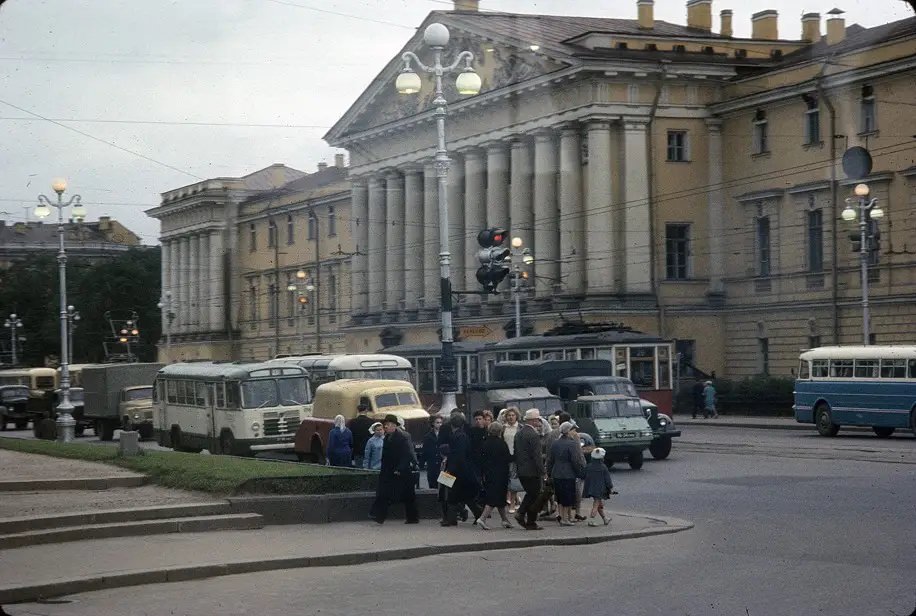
(372, 457)
(340, 443)
(495, 460)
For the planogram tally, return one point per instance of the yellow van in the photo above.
(383, 397)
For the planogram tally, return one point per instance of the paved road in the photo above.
(775, 535)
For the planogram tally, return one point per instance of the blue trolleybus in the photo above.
(857, 386)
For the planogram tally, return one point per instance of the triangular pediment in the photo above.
(500, 64)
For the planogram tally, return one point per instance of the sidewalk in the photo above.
(49, 570)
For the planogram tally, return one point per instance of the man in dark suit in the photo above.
(530, 464)
(395, 481)
(359, 426)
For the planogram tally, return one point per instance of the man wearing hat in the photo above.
(359, 426)
(395, 481)
(530, 465)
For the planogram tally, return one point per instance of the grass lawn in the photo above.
(213, 474)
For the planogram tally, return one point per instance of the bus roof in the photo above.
(229, 371)
(28, 371)
(364, 385)
(860, 352)
(368, 361)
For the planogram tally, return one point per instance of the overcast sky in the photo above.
(142, 96)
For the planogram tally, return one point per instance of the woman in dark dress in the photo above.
(495, 460)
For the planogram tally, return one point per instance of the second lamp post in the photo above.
(865, 210)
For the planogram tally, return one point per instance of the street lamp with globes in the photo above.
(865, 210)
(65, 422)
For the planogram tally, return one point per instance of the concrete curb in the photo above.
(64, 587)
(88, 483)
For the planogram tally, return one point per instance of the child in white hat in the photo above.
(598, 486)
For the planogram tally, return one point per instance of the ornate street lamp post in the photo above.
(65, 421)
(13, 323)
(73, 317)
(865, 210)
(166, 305)
(436, 37)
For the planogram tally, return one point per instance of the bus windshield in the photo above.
(293, 391)
(274, 392)
(607, 409)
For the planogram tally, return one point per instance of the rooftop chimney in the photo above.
(699, 14)
(836, 27)
(322, 166)
(726, 16)
(764, 25)
(339, 161)
(646, 14)
(467, 5)
(811, 27)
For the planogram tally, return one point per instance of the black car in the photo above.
(14, 402)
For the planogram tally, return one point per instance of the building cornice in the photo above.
(759, 195)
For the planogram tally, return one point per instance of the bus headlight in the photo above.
(646, 433)
(136, 415)
(255, 426)
(662, 422)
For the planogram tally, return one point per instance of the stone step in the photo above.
(196, 524)
(91, 483)
(107, 516)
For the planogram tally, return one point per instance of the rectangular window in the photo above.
(252, 237)
(290, 230)
(893, 368)
(815, 241)
(678, 150)
(332, 222)
(841, 368)
(761, 139)
(253, 304)
(271, 234)
(812, 120)
(220, 395)
(803, 372)
(868, 120)
(764, 355)
(763, 246)
(866, 369)
(313, 226)
(273, 309)
(677, 251)
(820, 368)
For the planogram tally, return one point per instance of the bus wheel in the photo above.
(318, 451)
(825, 425)
(883, 431)
(226, 443)
(3, 421)
(913, 422)
(175, 438)
(660, 448)
(635, 460)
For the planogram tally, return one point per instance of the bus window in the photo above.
(220, 394)
(587, 353)
(819, 368)
(803, 370)
(911, 369)
(893, 368)
(232, 395)
(403, 398)
(258, 394)
(642, 366)
(518, 356)
(293, 392)
(171, 388)
(866, 369)
(426, 375)
(201, 398)
(841, 368)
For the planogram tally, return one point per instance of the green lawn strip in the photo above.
(213, 474)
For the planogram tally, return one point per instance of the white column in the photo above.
(572, 220)
(546, 224)
(181, 299)
(475, 217)
(203, 289)
(430, 236)
(394, 241)
(376, 250)
(638, 244)
(456, 230)
(521, 212)
(194, 282)
(359, 231)
(165, 251)
(217, 282)
(600, 244)
(497, 186)
(413, 236)
(715, 207)
(174, 266)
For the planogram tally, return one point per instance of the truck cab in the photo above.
(14, 406)
(135, 407)
(522, 395)
(616, 423)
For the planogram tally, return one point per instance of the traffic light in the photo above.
(493, 258)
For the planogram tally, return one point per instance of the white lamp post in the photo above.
(13, 323)
(65, 422)
(865, 210)
(519, 256)
(73, 317)
(436, 37)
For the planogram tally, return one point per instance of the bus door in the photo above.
(210, 408)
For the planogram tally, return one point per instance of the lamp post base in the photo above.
(66, 427)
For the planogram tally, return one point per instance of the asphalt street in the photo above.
(775, 534)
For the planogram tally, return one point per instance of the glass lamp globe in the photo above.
(861, 190)
(79, 212)
(517, 242)
(300, 275)
(848, 214)
(408, 82)
(42, 211)
(436, 35)
(59, 185)
(876, 212)
(468, 83)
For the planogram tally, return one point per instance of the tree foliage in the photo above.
(120, 285)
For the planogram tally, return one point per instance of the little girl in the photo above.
(598, 486)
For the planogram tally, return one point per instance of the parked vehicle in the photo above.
(383, 397)
(239, 408)
(41, 383)
(327, 368)
(114, 398)
(520, 394)
(616, 423)
(14, 406)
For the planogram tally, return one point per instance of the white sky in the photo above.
(151, 68)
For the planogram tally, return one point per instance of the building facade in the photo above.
(103, 239)
(684, 182)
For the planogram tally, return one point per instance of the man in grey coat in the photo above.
(530, 464)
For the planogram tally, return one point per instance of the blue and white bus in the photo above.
(857, 386)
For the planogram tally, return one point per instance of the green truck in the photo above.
(119, 396)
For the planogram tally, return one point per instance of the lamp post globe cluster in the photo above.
(436, 37)
(305, 282)
(13, 323)
(65, 423)
(867, 212)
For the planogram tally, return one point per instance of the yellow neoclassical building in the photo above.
(679, 180)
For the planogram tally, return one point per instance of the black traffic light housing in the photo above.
(494, 267)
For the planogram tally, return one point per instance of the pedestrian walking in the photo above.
(709, 401)
(510, 430)
(587, 444)
(565, 464)
(359, 426)
(698, 402)
(430, 455)
(477, 434)
(495, 461)
(529, 465)
(598, 486)
(372, 454)
(463, 493)
(340, 443)
(395, 482)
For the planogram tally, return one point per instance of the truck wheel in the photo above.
(36, 427)
(3, 421)
(175, 438)
(79, 430)
(226, 443)
(104, 429)
(22, 424)
(660, 448)
(48, 429)
(635, 460)
(146, 432)
(318, 451)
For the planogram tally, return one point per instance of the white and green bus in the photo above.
(230, 408)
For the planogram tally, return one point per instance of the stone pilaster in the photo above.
(600, 244)
(376, 244)
(546, 221)
(359, 231)
(638, 244)
(413, 236)
(394, 241)
(217, 282)
(715, 207)
(475, 216)
(430, 236)
(521, 212)
(572, 219)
